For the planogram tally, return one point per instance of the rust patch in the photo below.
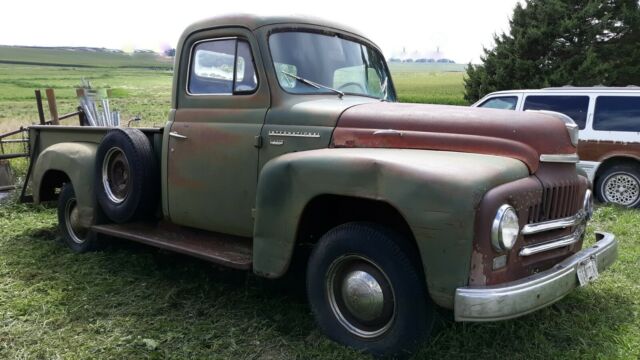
(477, 275)
(521, 135)
(353, 137)
(526, 196)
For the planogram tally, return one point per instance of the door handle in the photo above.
(176, 135)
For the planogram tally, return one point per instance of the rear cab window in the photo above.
(574, 106)
(501, 102)
(617, 113)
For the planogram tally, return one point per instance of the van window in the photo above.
(617, 113)
(575, 107)
(501, 102)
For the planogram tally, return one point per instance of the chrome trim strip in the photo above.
(553, 224)
(560, 158)
(520, 297)
(554, 244)
(388, 132)
(287, 133)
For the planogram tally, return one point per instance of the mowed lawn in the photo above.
(131, 302)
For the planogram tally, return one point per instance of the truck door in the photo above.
(221, 96)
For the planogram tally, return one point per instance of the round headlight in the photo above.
(587, 207)
(505, 228)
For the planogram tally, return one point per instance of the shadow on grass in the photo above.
(190, 305)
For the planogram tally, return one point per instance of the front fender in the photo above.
(436, 192)
(77, 161)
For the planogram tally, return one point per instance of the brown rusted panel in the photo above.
(351, 137)
(231, 251)
(594, 150)
(536, 198)
(520, 135)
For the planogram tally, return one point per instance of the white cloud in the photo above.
(460, 28)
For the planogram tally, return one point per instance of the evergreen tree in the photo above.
(562, 42)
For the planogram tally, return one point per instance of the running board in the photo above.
(231, 251)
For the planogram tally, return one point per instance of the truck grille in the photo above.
(557, 201)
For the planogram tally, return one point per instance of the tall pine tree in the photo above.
(562, 42)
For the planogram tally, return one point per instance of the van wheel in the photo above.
(126, 175)
(367, 293)
(620, 184)
(80, 239)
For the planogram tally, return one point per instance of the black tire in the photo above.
(126, 179)
(76, 238)
(345, 253)
(620, 184)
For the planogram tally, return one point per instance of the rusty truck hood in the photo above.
(520, 135)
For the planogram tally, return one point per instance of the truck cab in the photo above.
(285, 144)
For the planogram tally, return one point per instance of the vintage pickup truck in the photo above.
(285, 142)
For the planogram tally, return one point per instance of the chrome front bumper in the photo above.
(517, 298)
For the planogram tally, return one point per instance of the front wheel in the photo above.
(367, 292)
(620, 184)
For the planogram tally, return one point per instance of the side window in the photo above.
(285, 80)
(575, 107)
(617, 113)
(502, 102)
(222, 67)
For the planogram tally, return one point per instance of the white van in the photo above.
(609, 122)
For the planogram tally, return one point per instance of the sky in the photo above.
(459, 29)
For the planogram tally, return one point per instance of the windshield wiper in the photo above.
(313, 84)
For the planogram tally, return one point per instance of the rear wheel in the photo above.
(366, 291)
(75, 234)
(620, 184)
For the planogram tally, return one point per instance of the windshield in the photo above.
(303, 59)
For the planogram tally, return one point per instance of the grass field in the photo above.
(130, 301)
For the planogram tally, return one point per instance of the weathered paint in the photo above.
(215, 177)
(525, 195)
(71, 150)
(431, 189)
(77, 161)
(523, 136)
(312, 118)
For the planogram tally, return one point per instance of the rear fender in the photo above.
(77, 161)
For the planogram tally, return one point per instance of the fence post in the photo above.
(39, 104)
(53, 106)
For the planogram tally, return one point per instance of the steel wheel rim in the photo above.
(116, 175)
(75, 231)
(621, 188)
(360, 296)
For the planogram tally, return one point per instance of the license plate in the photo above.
(587, 271)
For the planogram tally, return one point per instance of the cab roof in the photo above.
(253, 22)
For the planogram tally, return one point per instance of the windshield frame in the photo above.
(391, 90)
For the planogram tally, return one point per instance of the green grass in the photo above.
(131, 301)
(70, 57)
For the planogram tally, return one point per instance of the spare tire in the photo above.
(126, 175)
